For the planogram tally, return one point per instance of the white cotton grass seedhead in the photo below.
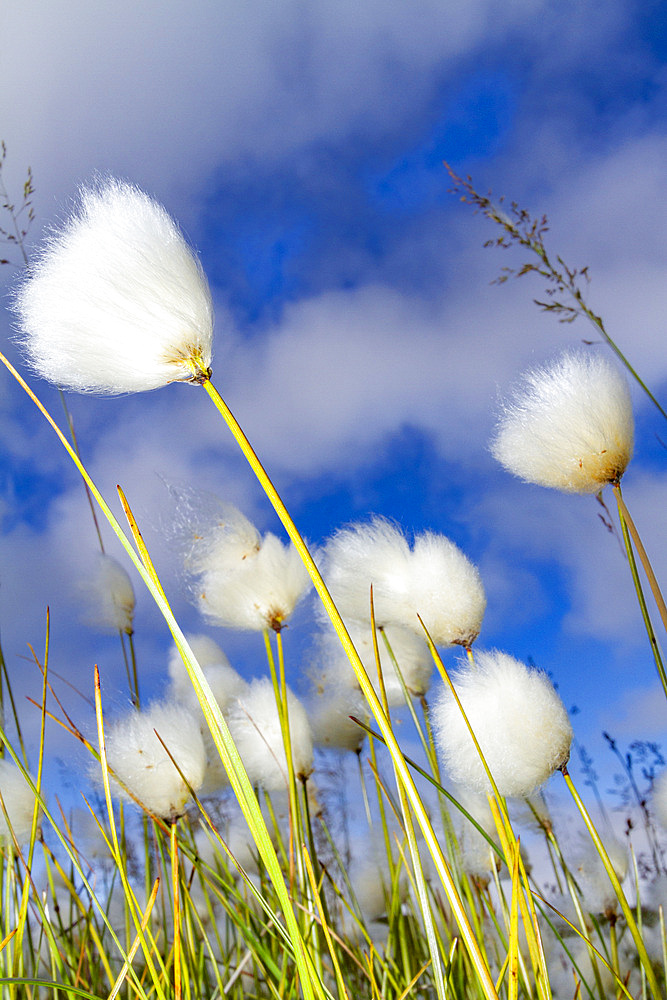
(209, 531)
(659, 799)
(236, 577)
(19, 803)
(409, 650)
(108, 596)
(116, 301)
(255, 727)
(518, 719)
(140, 761)
(568, 425)
(432, 580)
(262, 592)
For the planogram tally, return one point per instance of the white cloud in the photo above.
(167, 93)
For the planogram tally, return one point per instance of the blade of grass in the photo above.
(122, 975)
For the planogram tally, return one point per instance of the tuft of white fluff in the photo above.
(433, 580)
(211, 532)
(260, 593)
(109, 596)
(236, 577)
(410, 651)
(255, 727)
(659, 799)
(568, 425)
(518, 719)
(116, 301)
(19, 803)
(142, 764)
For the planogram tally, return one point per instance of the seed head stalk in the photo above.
(644, 959)
(402, 772)
(629, 531)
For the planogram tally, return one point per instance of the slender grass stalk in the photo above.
(116, 849)
(481, 968)
(663, 938)
(513, 950)
(364, 792)
(425, 905)
(23, 909)
(510, 847)
(613, 878)
(625, 530)
(134, 947)
(176, 903)
(324, 923)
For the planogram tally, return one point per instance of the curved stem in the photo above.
(616, 885)
(384, 723)
(625, 529)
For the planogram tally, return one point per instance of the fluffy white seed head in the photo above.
(116, 302)
(108, 596)
(255, 727)
(139, 759)
(236, 577)
(659, 799)
(19, 802)
(410, 651)
(518, 719)
(433, 580)
(210, 532)
(261, 593)
(569, 425)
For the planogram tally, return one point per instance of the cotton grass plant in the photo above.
(248, 885)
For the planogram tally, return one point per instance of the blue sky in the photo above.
(358, 337)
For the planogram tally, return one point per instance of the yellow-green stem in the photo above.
(402, 771)
(625, 530)
(616, 885)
